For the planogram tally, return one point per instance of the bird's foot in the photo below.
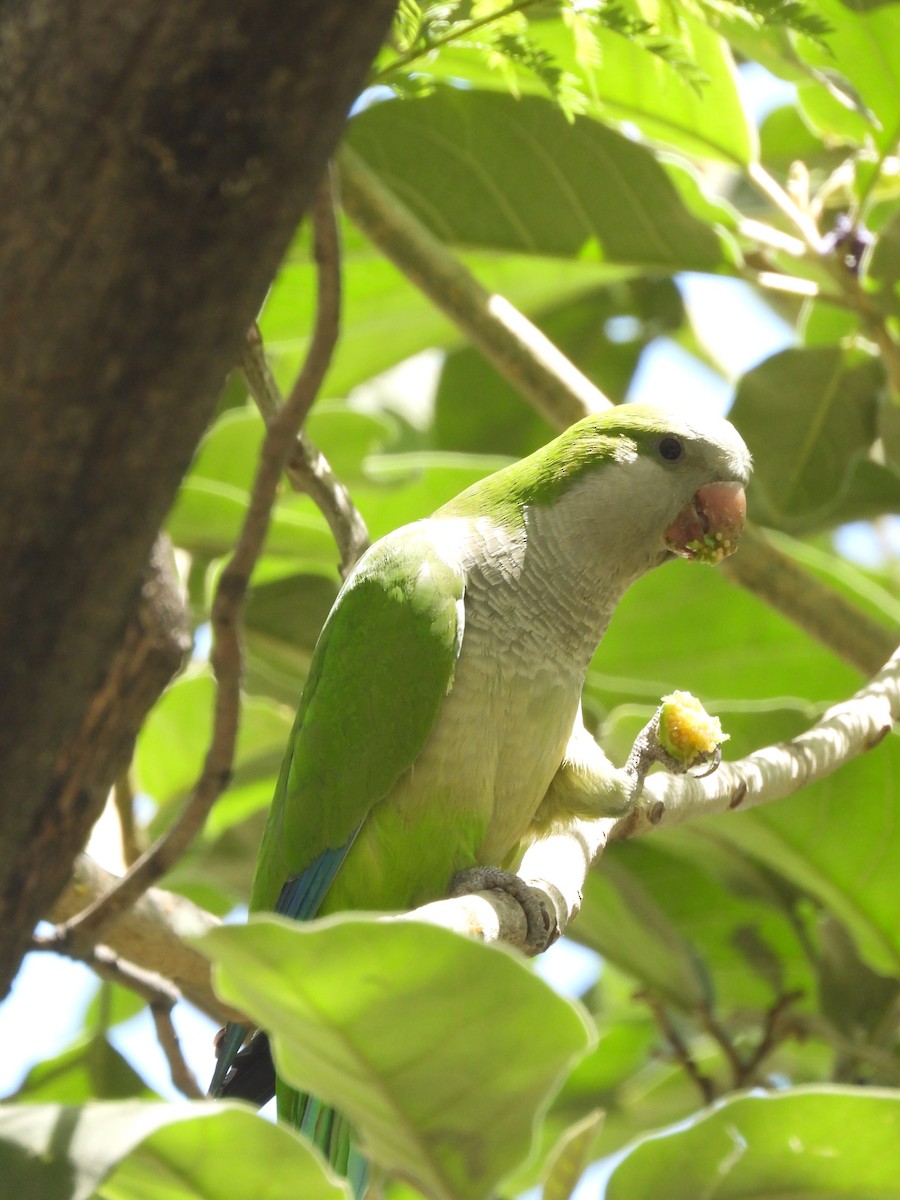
(682, 737)
(539, 915)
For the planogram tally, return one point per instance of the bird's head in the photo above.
(635, 483)
(679, 481)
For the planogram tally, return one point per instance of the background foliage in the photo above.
(580, 159)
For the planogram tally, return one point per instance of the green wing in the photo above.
(380, 672)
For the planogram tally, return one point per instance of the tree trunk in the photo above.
(155, 158)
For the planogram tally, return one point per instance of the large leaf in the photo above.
(212, 502)
(697, 925)
(386, 319)
(685, 626)
(90, 1069)
(282, 622)
(173, 741)
(823, 404)
(812, 1142)
(839, 841)
(207, 517)
(441, 1050)
(410, 486)
(603, 333)
(162, 1151)
(482, 169)
(859, 64)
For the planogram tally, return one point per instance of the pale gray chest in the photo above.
(529, 634)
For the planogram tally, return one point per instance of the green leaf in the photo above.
(603, 333)
(386, 319)
(629, 1075)
(207, 517)
(570, 1157)
(212, 502)
(881, 273)
(730, 923)
(229, 452)
(177, 1151)
(786, 138)
(417, 484)
(439, 1049)
(858, 69)
(810, 1142)
(282, 622)
(172, 743)
(699, 114)
(823, 403)
(434, 153)
(752, 667)
(91, 1069)
(110, 1005)
(842, 854)
(624, 923)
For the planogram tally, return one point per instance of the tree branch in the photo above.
(557, 866)
(516, 347)
(227, 608)
(308, 469)
(159, 994)
(151, 934)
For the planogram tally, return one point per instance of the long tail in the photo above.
(249, 1074)
(246, 1072)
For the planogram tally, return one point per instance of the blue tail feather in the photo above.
(300, 899)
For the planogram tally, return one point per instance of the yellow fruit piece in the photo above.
(686, 730)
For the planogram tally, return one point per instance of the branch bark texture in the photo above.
(155, 158)
(557, 866)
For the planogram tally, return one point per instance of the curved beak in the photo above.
(710, 526)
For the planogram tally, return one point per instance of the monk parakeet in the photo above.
(440, 727)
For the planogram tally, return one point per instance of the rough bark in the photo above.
(155, 158)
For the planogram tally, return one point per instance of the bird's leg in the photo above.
(540, 917)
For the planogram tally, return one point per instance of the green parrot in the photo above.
(440, 726)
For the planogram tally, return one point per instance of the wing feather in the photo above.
(380, 672)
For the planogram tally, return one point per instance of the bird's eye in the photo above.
(670, 448)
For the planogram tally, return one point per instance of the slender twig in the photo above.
(308, 470)
(801, 220)
(775, 1030)
(227, 608)
(123, 800)
(457, 33)
(160, 996)
(167, 1035)
(723, 1040)
(680, 1050)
